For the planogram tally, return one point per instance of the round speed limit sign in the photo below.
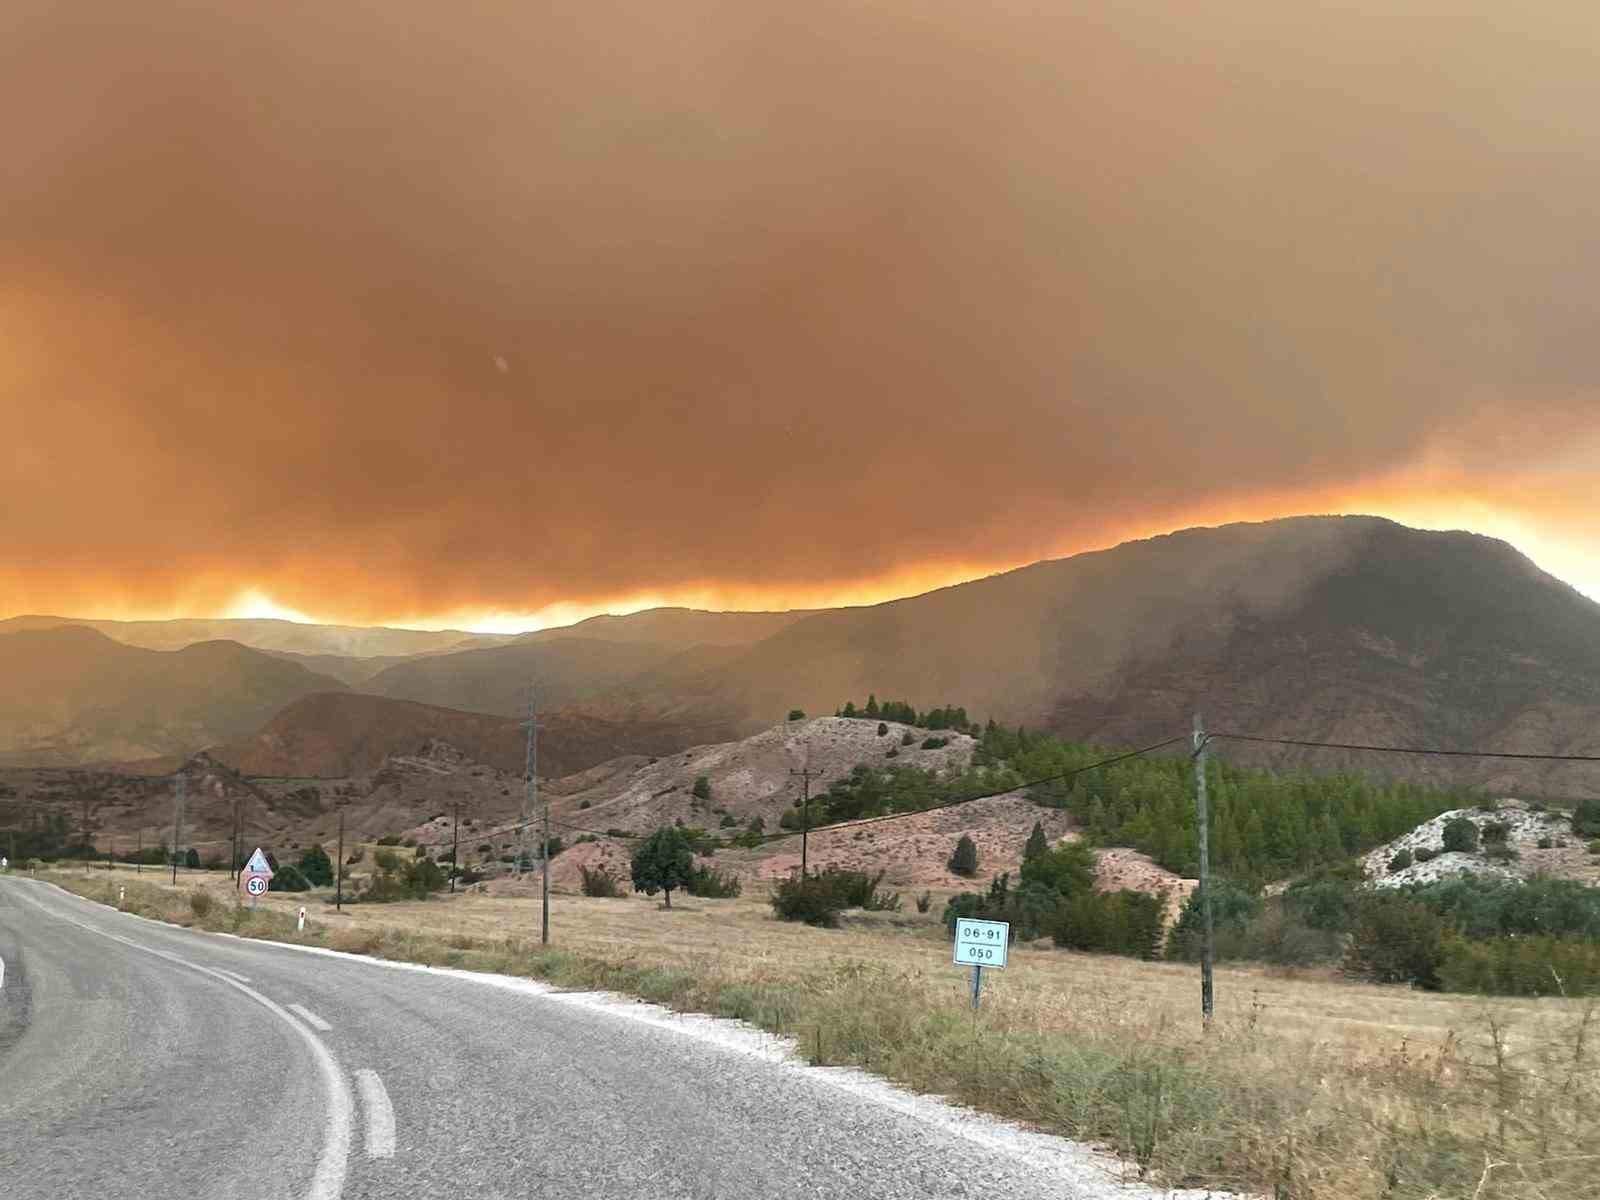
(256, 885)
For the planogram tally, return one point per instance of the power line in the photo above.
(1271, 741)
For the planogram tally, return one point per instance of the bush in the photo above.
(1501, 852)
(964, 861)
(1109, 923)
(1426, 854)
(288, 878)
(201, 904)
(420, 852)
(935, 743)
(711, 884)
(728, 822)
(191, 859)
(585, 804)
(1232, 909)
(316, 866)
(1546, 843)
(924, 902)
(892, 752)
(663, 863)
(1460, 834)
(1027, 909)
(599, 882)
(883, 729)
(797, 714)
(819, 899)
(702, 788)
(1396, 940)
(413, 879)
(1496, 833)
(392, 839)
(1594, 846)
(906, 739)
(1400, 861)
(1066, 869)
(1532, 966)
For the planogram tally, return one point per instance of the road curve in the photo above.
(138, 1058)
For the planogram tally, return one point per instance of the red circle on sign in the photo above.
(256, 885)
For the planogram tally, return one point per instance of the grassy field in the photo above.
(1305, 1087)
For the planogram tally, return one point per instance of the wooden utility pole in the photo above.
(1203, 829)
(338, 868)
(233, 864)
(177, 823)
(455, 845)
(804, 775)
(138, 858)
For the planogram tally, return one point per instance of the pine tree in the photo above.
(1037, 843)
(965, 859)
(872, 706)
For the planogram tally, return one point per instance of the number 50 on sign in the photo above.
(981, 943)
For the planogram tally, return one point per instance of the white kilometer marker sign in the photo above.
(380, 1114)
(310, 1018)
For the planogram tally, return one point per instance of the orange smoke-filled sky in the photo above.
(497, 314)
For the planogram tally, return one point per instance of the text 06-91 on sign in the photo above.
(981, 943)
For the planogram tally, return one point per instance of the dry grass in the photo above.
(1305, 1087)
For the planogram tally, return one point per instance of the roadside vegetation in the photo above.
(1306, 1087)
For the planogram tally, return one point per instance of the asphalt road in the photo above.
(138, 1059)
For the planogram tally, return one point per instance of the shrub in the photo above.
(964, 861)
(1527, 966)
(1460, 834)
(420, 852)
(797, 714)
(711, 884)
(1496, 833)
(1586, 818)
(906, 739)
(1546, 843)
(1110, 923)
(585, 803)
(413, 879)
(1066, 869)
(892, 752)
(201, 904)
(1232, 909)
(1400, 861)
(599, 882)
(1027, 909)
(1501, 852)
(935, 743)
(1594, 846)
(485, 848)
(728, 822)
(1396, 940)
(356, 856)
(1487, 805)
(392, 839)
(663, 863)
(702, 788)
(315, 865)
(924, 902)
(883, 729)
(191, 859)
(287, 878)
(1426, 854)
(819, 899)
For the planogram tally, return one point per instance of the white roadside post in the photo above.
(301, 924)
(981, 944)
(122, 895)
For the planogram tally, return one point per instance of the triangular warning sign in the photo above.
(258, 863)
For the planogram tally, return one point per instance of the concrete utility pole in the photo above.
(804, 775)
(233, 862)
(527, 786)
(1203, 828)
(138, 858)
(177, 822)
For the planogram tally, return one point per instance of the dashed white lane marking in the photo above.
(310, 1018)
(327, 1182)
(2, 973)
(233, 975)
(380, 1114)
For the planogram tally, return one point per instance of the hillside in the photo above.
(72, 695)
(1336, 628)
(290, 637)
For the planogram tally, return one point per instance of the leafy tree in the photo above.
(1396, 940)
(1460, 834)
(1586, 818)
(965, 859)
(663, 863)
(1037, 842)
(702, 788)
(316, 866)
(1232, 909)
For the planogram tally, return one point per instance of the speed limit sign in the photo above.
(256, 885)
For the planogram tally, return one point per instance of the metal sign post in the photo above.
(981, 944)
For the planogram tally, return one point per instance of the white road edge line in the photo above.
(380, 1114)
(310, 1018)
(2, 973)
(234, 975)
(328, 1181)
